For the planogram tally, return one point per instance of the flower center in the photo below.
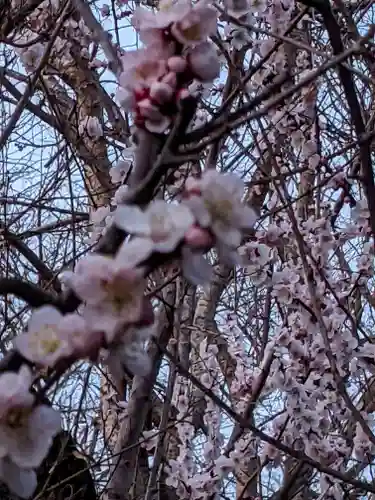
(192, 33)
(47, 339)
(220, 209)
(165, 5)
(118, 293)
(144, 70)
(16, 417)
(160, 228)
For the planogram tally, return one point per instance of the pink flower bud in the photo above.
(192, 186)
(148, 110)
(182, 94)
(161, 92)
(177, 64)
(198, 238)
(170, 79)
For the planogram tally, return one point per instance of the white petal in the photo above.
(27, 451)
(182, 216)
(226, 234)
(132, 220)
(42, 316)
(196, 269)
(46, 420)
(247, 217)
(22, 482)
(101, 319)
(169, 244)
(158, 127)
(135, 251)
(199, 210)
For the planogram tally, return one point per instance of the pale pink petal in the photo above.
(199, 210)
(126, 98)
(196, 269)
(45, 421)
(43, 316)
(247, 217)
(27, 451)
(44, 347)
(226, 234)
(21, 482)
(149, 110)
(198, 238)
(161, 92)
(133, 252)
(132, 220)
(204, 62)
(14, 389)
(103, 319)
(196, 25)
(177, 64)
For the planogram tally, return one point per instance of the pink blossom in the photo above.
(161, 92)
(188, 24)
(161, 226)
(43, 343)
(26, 431)
(83, 340)
(177, 64)
(142, 67)
(216, 202)
(112, 290)
(169, 12)
(194, 27)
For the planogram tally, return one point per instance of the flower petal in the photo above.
(21, 482)
(42, 316)
(135, 251)
(247, 217)
(132, 220)
(196, 268)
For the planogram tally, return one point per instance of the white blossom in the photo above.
(43, 343)
(26, 431)
(216, 202)
(161, 227)
(112, 290)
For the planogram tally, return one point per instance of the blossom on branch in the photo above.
(180, 21)
(216, 202)
(160, 228)
(44, 343)
(26, 431)
(154, 79)
(112, 291)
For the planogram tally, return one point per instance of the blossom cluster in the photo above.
(176, 52)
(116, 320)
